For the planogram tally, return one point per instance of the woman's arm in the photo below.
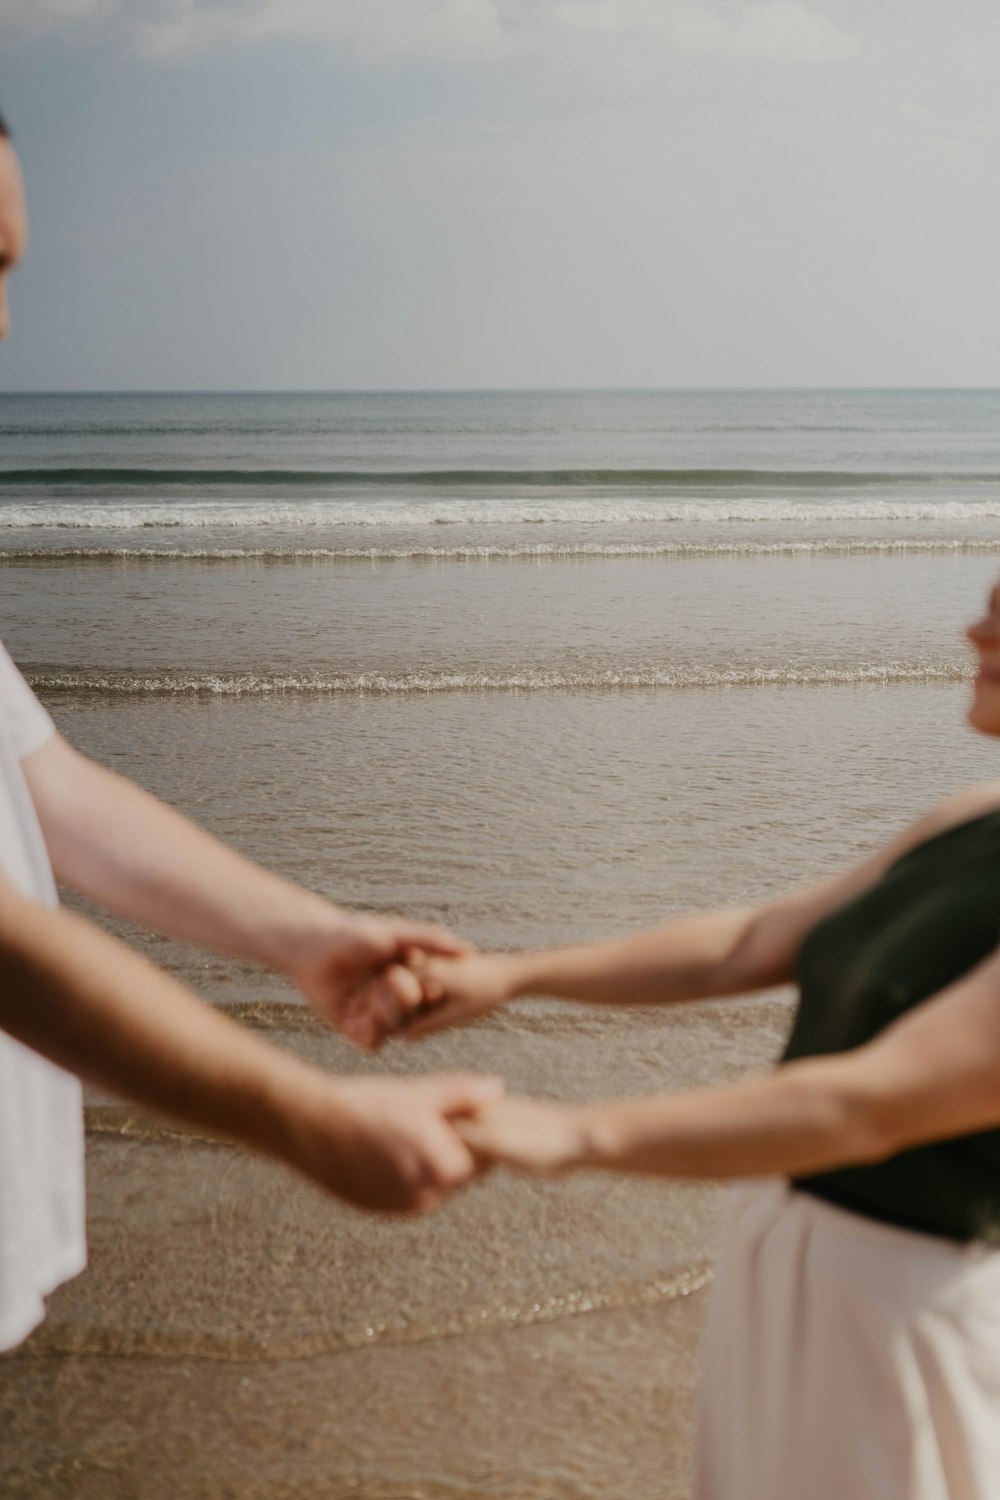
(711, 955)
(932, 1075)
(133, 855)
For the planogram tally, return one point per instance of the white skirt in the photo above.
(845, 1359)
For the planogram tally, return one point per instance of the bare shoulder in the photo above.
(780, 927)
(962, 807)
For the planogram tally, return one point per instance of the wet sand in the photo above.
(236, 1335)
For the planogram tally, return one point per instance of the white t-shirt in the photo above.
(42, 1227)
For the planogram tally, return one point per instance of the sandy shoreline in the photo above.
(536, 1340)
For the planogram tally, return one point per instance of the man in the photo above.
(75, 1001)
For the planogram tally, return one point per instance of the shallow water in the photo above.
(255, 628)
(695, 691)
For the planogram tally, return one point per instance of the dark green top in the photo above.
(933, 916)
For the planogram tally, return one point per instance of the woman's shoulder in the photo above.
(965, 806)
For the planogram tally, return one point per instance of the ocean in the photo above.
(544, 666)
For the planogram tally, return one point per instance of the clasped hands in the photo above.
(431, 991)
(405, 1144)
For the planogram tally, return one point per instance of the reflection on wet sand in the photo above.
(535, 1340)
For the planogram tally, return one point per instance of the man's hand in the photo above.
(91, 1005)
(352, 968)
(386, 1143)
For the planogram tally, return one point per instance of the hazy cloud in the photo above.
(446, 30)
(783, 30)
(606, 192)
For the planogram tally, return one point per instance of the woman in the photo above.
(853, 1346)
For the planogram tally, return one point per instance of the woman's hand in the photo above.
(433, 990)
(353, 967)
(528, 1135)
(457, 990)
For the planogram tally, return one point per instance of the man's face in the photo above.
(13, 223)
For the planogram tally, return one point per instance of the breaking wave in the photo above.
(437, 511)
(847, 546)
(378, 684)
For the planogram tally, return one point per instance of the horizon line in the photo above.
(499, 390)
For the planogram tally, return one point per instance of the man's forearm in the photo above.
(133, 855)
(91, 1005)
(86, 1002)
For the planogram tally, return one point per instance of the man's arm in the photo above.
(91, 1005)
(133, 855)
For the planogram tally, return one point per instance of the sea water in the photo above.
(540, 665)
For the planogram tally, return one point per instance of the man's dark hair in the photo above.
(4, 129)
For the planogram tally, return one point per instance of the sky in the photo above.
(441, 194)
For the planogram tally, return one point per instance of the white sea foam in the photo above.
(81, 515)
(811, 547)
(250, 684)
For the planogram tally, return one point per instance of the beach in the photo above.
(543, 666)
